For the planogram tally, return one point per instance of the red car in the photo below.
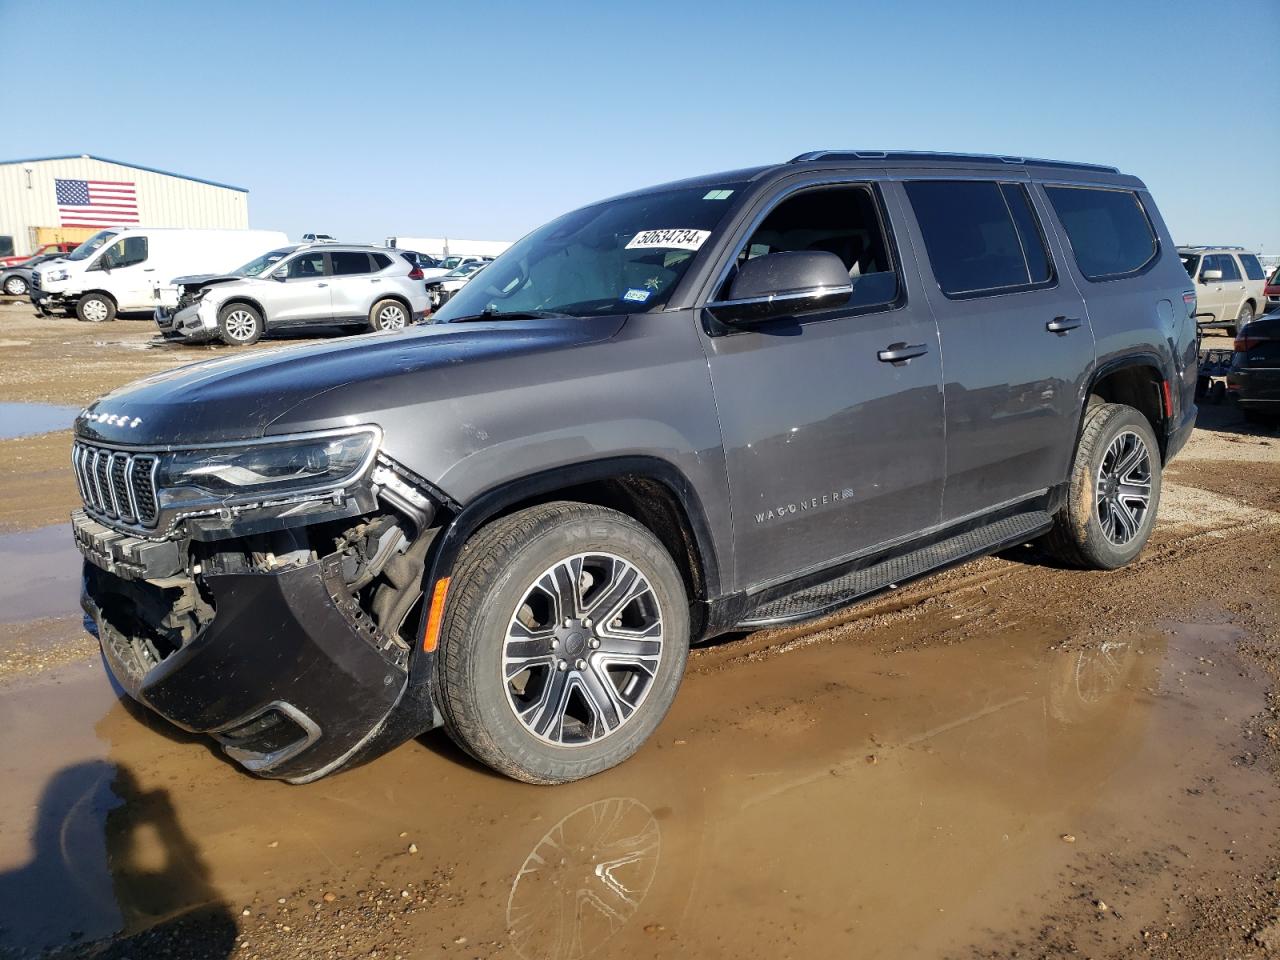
(1272, 291)
(42, 249)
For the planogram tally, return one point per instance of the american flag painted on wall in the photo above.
(96, 203)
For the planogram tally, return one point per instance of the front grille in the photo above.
(117, 485)
(35, 279)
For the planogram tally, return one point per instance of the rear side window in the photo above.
(380, 261)
(1252, 268)
(1110, 234)
(6, 245)
(1191, 263)
(346, 264)
(982, 237)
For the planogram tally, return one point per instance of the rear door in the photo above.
(352, 284)
(304, 295)
(1016, 342)
(831, 451)
(1234, 289)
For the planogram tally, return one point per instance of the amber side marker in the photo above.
(431, 636)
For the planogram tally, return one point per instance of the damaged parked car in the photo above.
(731, 402)
(306, 285)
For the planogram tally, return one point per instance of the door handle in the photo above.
(1060, 325)
(321, 284)
(900, 353)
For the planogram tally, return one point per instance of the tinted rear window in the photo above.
(982, 237)
(380, 261)
(348, 263)
(1191, 263)
(1110, 234)
(1252, 268)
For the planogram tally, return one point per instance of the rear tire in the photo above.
(240, 325)
(389, 315)
(1113, 493)
(96, 308)
(15, 286)
(550, 605)
(1246, 314)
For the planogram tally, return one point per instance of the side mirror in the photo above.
(281, 274)
(1209, 276)
(784, 285)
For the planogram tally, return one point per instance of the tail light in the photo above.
(1245, 344)
(1189, 301)
(415, 273)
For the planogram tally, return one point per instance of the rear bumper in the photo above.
(1181, 433)
(1255, 387)
(288, 679)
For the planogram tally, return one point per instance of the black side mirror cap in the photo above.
(784, 285)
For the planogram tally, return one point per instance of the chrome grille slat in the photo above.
(117, 485)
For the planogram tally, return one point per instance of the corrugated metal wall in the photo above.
(28, 200)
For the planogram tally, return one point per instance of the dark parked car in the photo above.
(730, 402)
(1254, 378)
(16, 281)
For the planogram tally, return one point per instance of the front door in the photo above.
(831, 450)
(1016, 341)
(304, 295)
(131, 273)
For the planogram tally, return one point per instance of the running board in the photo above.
(823, 598)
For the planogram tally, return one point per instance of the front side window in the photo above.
(982, 237)
(349, 263)
(124, 253)
(1111, 236)
(307, 266)
(839, 220)
(1226, 263)
(1252, 268)
(92, 245)
(621, 256)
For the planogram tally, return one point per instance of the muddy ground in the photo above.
(1008, 759)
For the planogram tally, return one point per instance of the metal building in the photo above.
(68, 198)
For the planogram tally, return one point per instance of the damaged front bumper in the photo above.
(282, 667)
(186, 322)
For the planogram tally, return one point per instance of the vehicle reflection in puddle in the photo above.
(833, 801)
(29, 419)
(39, 575)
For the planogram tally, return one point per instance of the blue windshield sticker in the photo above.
(636, 295)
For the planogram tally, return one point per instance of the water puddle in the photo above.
(834, 801)
(29, 419)
(39, 575)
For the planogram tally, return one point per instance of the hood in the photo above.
(200, 281)
(363, 379)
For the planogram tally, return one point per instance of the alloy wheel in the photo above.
(1123, 488)
(240, 325)
(582, 649)
(391, 317)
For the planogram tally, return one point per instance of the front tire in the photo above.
(15, 286)
(240, 325)
(96, 308)
(1113, 493)
(563, 642)
(388, 315)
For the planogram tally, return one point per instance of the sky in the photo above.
(483, 120)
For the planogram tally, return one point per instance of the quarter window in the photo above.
(1110, 234)
(1252, 268)
(349, 263)
(380, 261)
(839, 220)
(982, 237)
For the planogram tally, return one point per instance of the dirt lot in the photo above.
(1008, 759)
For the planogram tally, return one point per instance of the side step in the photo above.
(823, 598)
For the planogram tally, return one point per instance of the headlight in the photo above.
(266, 469)
(54, 275)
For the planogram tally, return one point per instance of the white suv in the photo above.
(325, 284)
(1230, 285)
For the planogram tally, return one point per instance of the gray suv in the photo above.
(320, 284)
(731, 402)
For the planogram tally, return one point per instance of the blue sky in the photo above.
(485, 119)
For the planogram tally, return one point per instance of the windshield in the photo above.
(1190, 262)
(465, 270)
(263, 263)
(92, 245)
(620, 256)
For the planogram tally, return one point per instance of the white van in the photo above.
(130, 268)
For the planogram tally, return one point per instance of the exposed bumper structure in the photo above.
(288, 673)
(187, 323)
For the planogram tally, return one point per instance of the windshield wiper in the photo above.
(512, 315)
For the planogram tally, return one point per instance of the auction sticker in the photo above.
(670, 239)
(636, 295)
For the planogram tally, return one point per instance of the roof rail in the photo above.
(924, 155)
(1208, 246)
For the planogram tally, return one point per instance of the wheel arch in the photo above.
(1138, 381)
(247, 301)
(398, 297)
(100, 293)
(650, 490)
